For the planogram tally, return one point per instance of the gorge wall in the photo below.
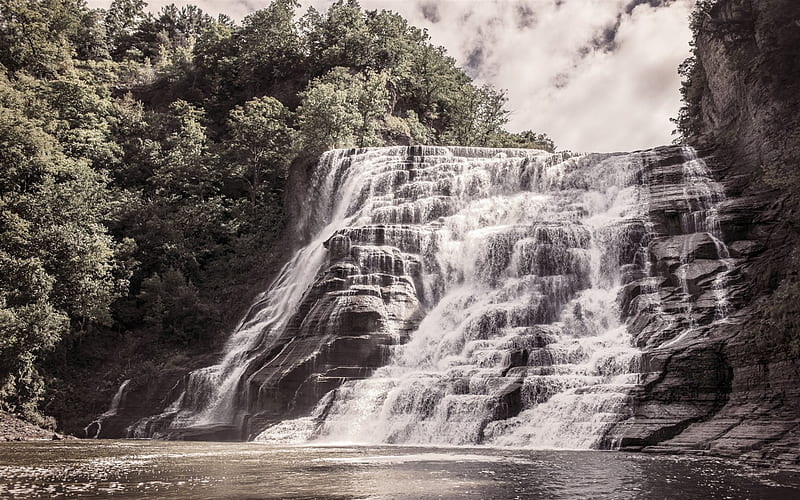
(749, 83)
(748, 400)
(513, 297)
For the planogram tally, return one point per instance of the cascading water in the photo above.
(702, 196)
(524, 345)
(529, 276)
(451, 296)
(704, 218)
(94, 429)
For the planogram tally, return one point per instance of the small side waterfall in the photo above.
(704, 218)
(699, 223)
(94, 429)
(469, 295)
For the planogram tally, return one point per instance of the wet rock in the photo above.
(691, 385)
(509, 401)
(516, 358)
(639, 295)
(338, 246)
(669, 251)
(692, 274)
(745, 248)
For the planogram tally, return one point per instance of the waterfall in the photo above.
(703, 217)
(455, 295)
(702, 196)
(523, 342)
(97, 424)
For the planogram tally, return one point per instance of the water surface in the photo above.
(188, 470)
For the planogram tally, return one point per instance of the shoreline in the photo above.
(13, 428)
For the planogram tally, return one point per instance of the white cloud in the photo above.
(561, 78)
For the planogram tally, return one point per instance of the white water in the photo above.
(531, 269)
(113, 408)
(515, 257)
(704, 195)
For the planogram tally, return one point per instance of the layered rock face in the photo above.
(733, 390)
(515, 259)
(750, 98)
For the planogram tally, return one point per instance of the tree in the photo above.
(215, 61)
(58, 262)
(187, 168)
(122, 19)
(78, 110)
(326, 117)
(430, 85)
(173, 306)
(260, 142)
(392, 42)
(182, 24)
(91, 40)
(371, 99)
(35, 35)
(476, 116)
(527, 139)
(269, 45)
(339, 38)
(163, 37)
(693, 79)
(342, 110)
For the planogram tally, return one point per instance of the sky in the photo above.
(595, 75)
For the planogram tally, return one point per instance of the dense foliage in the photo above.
(143, 159)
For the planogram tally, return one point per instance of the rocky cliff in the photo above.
(732, 389)
(749, 83)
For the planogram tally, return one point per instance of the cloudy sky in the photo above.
(595, 75)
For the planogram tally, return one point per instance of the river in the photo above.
(194, 470)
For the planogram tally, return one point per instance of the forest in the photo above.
(144, 159)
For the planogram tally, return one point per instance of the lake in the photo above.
(193, 470)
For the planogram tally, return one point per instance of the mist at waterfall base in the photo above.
(195, 470)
